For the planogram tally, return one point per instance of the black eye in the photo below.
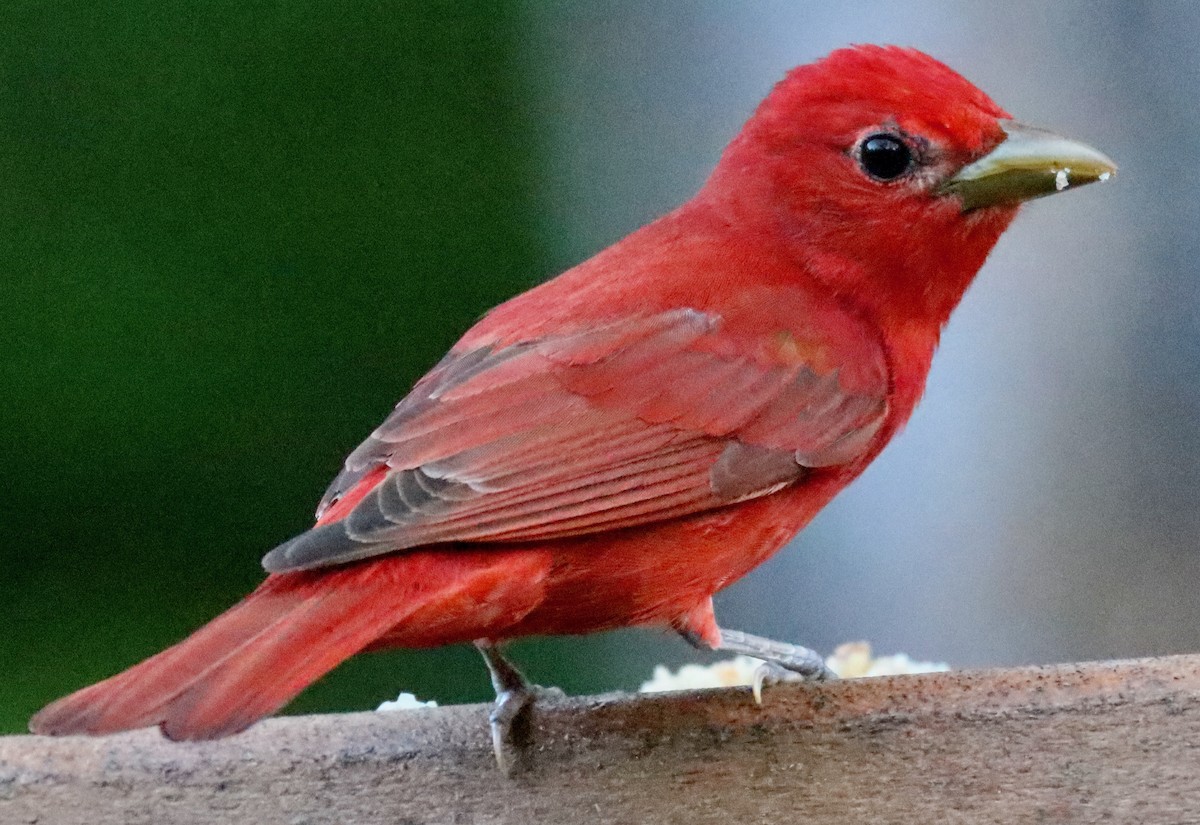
(884, 156)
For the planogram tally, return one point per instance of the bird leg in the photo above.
(782, 661)
(510, 717)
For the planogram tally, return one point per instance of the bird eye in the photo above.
(884, 156)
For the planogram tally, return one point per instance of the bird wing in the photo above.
(599, 428)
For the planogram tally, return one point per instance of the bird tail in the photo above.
(251, 660)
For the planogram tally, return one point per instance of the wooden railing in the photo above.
(1099, 742)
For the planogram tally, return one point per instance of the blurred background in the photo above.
(234, 234)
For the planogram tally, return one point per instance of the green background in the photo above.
(233, 239)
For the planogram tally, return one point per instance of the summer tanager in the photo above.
(616, 445)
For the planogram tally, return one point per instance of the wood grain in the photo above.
(1099, 742)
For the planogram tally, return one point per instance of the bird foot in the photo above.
(788, 663)
(511, 717)
(511, 722)
(782, 661)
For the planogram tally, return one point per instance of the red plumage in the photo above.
(617, 444)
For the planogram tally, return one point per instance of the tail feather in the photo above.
(293, 652)
(251, 660)
(138, 696)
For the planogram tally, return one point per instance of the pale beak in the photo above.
(1030, 163)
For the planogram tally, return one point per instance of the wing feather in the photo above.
(596, 429)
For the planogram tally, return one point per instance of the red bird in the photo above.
(616, 445)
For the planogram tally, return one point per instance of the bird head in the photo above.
(891, 176)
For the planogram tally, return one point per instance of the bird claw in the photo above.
(774, 673)
(511, 724)
(509, 721)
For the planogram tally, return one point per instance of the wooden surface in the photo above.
(1105, 742)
